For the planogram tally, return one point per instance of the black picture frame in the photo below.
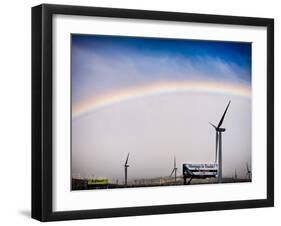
(42, 106)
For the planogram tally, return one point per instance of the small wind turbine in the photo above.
(126, 169)
(219, 130)
(174, 169)
(249, 172)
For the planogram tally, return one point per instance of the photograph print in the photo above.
(152, 112)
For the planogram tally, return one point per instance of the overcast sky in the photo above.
(157, 126)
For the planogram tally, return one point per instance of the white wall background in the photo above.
(15, 119)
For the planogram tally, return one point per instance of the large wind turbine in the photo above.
(219, 130)
(174, 169)
(126, 169)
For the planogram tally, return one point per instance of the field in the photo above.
(85, 184)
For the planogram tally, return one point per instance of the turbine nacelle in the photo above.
(221, 129)
(217, 128)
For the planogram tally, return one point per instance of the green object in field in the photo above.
(98, 181)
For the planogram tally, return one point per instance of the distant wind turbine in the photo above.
(219, 130)
(174, 171)
(126, 169)
(249, 172)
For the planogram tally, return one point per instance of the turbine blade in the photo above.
(213, 125)
(172, 172)
(217, 141)
(222, 118)
(174, 162)
(127, 158)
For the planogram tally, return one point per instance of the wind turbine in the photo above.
(174, 169)
(249, 172)
(126, 169)
(219, 130)
(235, 175)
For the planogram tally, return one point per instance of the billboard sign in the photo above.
(200, 170)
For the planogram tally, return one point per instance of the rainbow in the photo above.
(158, 89)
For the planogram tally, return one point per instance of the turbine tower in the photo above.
(219, 131)
(174, 169)
(126, 169)
(249, 172)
